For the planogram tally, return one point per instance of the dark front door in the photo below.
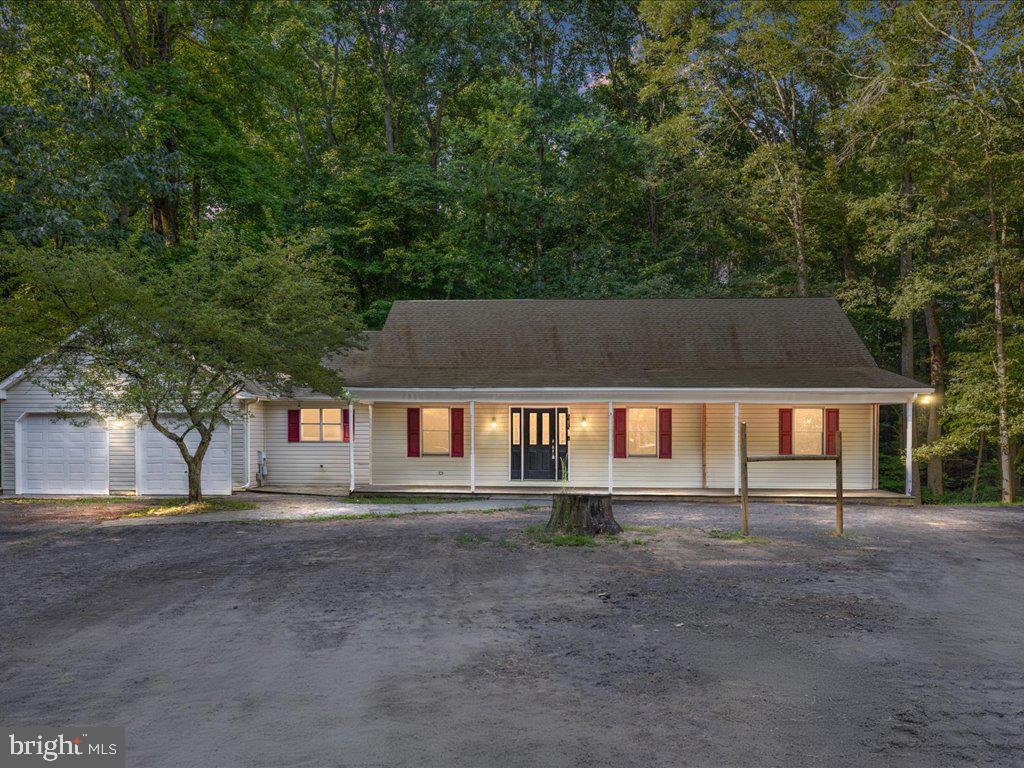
(539, 444)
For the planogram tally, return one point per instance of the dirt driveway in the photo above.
(452, 640)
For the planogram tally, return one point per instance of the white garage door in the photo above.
(160, 470)
(64, 457)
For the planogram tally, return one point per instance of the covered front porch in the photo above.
(652, 447)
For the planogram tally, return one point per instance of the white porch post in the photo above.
(472, 446)
(736, 448)
(909, 468)
(369, 444)
(248, 454)
(351, 447)
(611, 442)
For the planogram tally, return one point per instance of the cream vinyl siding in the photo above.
(720, 445)
(363, 436)
(682, 470)
(239, 424)
(856, 422)
(301, 463)
(492, 444)
(257, 436)
(391, 465)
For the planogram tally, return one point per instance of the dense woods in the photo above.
(459, 149)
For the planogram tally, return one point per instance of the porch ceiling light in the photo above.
(494, 422)
(583, 421)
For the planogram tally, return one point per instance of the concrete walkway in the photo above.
(279, 507)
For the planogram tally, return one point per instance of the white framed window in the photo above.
(641, 431)
(320, 425)
(808, 431)
(435, 426)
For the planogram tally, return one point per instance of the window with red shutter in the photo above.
(619, 433)
(412, 431)
(831, 427)
(664, 433)
(457, 422)
(785, 431)
(293, 425)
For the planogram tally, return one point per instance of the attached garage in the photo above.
(160, 470)
(61, 456)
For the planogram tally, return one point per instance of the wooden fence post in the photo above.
(744, 494)
(839, 483)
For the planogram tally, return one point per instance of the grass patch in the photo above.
(717, 533)
(955, 501)
(470, 539)
(539, 535)
(174, 507)
(73, 501)
(402, 499)
(632, 542)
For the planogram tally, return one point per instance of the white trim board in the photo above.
(552, 395)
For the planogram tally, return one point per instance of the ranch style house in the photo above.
(630, 397)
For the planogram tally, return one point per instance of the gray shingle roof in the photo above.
(784, 343)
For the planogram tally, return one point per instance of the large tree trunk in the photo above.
(938, 378)
(652, 211)
(194, 463)
(160, 31)
(1005, 455)
(799, 236)
(977, 467)
(585, 514)
(197, 198)
(389, 131)
(907, 338)
(195, 486)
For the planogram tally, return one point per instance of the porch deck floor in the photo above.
(811, 495)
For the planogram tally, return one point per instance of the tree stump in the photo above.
(582, 513)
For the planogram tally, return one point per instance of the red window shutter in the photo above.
(293, 426)
(412, 431)
(785, 431)
(457, 421)
(664, 433)
(831, 427)
(345, 433)
(619, 433)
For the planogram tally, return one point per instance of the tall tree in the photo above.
(124, 333)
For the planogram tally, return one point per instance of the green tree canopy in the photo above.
(175, 337)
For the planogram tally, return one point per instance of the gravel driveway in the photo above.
(452, 640)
